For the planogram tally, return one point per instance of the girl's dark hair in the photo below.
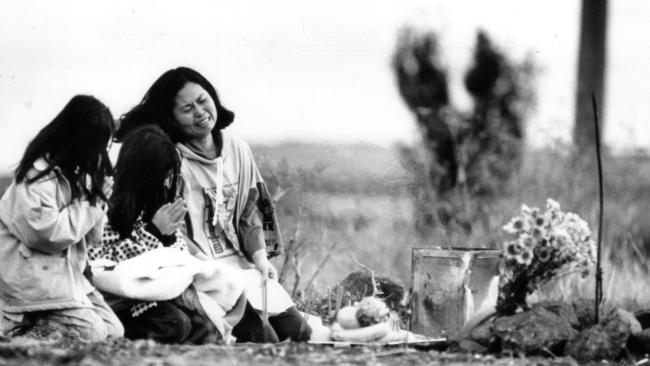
(146, 158)
(75, 142)
(158, 104)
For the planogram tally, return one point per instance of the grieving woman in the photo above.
(230, 216)
(147, 214)
(49, 215)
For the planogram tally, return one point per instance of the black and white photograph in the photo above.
(211, 182)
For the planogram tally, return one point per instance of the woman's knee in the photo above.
(114, 328)
(94, 330)
(82, 322)
(291, 325)
(9, 327)
(164, 323)
(174, 323)
(251, 328)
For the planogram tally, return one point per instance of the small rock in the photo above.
(628, 318)
(585, 313)
(482, 333)
(643, 316)
(479, 337)
(468, 346)
(562, 309)
(536, 331)
(593, 344)
(639, 343)
(606, 340)
(619, 324)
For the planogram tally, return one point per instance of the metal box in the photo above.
(449, 285)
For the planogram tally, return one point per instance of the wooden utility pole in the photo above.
(591, 71)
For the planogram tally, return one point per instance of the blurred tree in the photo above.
(493, 132)
(591, 71)
(422, 83)
(467, 154)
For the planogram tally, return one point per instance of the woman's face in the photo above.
(194, 111)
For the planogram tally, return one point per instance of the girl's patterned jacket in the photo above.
(143, 238)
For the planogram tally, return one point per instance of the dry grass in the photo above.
(375, 227)
(328, 204)
(354, 199)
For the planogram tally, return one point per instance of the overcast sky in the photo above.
(303, 70)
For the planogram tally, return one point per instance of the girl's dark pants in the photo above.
(174, 323)
(168, 322)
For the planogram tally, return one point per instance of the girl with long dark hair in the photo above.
(231, 217)
(147, 213)
(48, 216)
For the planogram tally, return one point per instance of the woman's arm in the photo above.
(250, 225)
(94, 236)
(119, 249)
(263, 264)
(146, 236)
(111, 246)
(46, 227)
(252, 235)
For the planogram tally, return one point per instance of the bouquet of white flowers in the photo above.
(547, 244)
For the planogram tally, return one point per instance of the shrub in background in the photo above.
(464, 154)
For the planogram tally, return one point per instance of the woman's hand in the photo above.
(263, 265)
(169, 216)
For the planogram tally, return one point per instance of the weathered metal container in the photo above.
(449, 285)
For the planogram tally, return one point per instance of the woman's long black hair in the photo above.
(75, 141)
(157, 106)
(147, 157)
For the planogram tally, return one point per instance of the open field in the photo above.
(341, 202)
(355, 199)
(346, 202)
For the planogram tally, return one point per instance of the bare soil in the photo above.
(28, 351)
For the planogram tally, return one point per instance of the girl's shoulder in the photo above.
(41, 165)
(41, 181)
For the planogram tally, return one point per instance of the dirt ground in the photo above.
(26, 352)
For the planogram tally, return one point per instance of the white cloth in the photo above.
(277, 299)
(164, 273)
